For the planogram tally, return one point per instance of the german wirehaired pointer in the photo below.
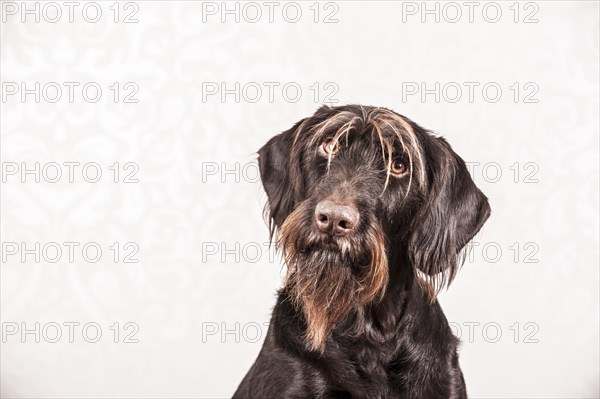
(371, 212)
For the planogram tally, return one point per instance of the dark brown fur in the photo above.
(357, 316)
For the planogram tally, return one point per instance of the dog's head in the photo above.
(350, 187)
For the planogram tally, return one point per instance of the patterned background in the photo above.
(197, 300)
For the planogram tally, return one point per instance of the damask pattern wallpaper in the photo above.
(135, 256)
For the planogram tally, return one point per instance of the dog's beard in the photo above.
(326, 281)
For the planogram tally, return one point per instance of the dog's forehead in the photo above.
(375, 124)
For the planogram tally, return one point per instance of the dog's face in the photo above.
(349, 188)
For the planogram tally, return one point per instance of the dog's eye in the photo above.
(329, 147)
(398, 168)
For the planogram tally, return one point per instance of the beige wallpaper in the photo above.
(135, 260)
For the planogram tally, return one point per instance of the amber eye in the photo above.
(328, 148)
(398, 168)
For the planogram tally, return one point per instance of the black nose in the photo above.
(336, 219)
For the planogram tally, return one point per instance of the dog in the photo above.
(371, 213)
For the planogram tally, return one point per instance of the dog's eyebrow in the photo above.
(407, 128)
(389, 160)
(344, 130)
(321, 127)
(410, 161)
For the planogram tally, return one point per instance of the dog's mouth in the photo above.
(341, 252)
(323, 245)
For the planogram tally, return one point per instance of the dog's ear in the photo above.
(279, 177)
(454, 211)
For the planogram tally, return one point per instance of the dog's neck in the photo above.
(388, 312)
(382, 319)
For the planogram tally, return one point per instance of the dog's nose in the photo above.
(335, 218)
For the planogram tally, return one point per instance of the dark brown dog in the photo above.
(371, 212)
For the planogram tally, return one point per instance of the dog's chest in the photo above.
(365, 367)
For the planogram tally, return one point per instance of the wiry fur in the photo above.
(357, 316)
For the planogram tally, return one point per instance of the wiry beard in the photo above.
(328, 283)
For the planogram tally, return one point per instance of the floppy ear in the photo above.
(454, 211)
(278, 176)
